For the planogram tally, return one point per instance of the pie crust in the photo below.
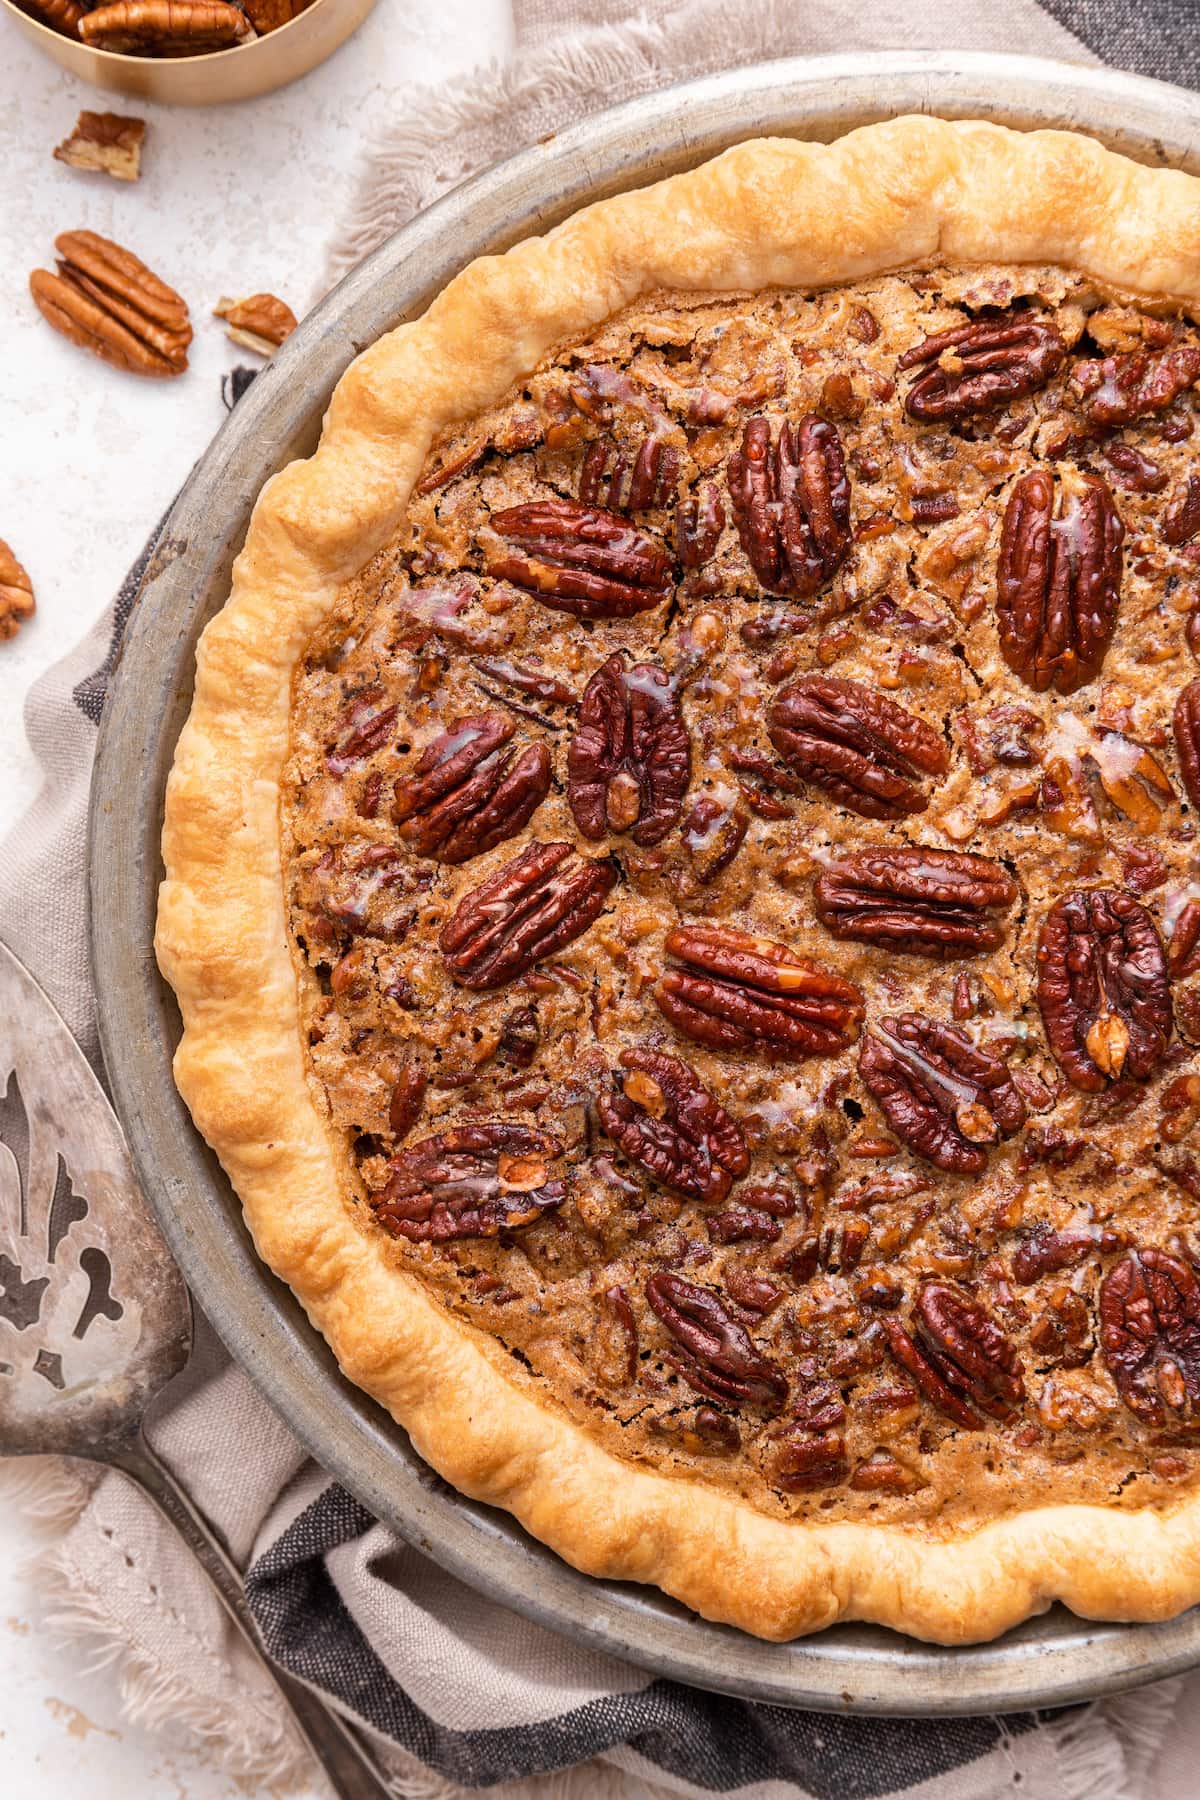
(911, 194)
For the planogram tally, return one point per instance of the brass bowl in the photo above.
(236, 74)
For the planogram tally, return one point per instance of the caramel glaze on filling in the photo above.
(890, 1214)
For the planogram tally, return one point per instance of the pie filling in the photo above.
(741, 858)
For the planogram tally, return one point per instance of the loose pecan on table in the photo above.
(665, 1120)
(260, 322)
(16, 594)
(611, 477)
(862, 749)
(1119, 389)
(958, 1355)
(716, 1356)
(104, 143)
(166, 27)
(1186, 721)
(928, 902)
(791, 503)
(1058, 580)
(581, 559)
(542, 900)
(1150, 1334)
(735, 991)
(467, 792)
(106, 300)
(629, 761)
(474, 1181)
(946, 1097)
(981, 365)
(1103, 988)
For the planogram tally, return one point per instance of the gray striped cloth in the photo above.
(462, 1694)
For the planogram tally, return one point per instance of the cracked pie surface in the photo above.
(682, 883)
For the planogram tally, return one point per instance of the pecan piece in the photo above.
(856, 745)
(1058, 581)
(928, 902)
(981, 365)
(699, 522)
(104, 143)
(1103, 988)
(475, 1181)
(16, 594)
(1150, 1334)
(1181, 521)
(542, 900)
(1047, 1252)
(467, 793)
(740, 992)
(106, 300)
(1125, 387)
(716, 1356)
(610, 477)
(60, 15)
(166, 27)
(944, 1095)
(958, 1355)
(582, 559)
(665, 1120)
(630, 759)
(1186, 721)
(260, 322)
(791, 503)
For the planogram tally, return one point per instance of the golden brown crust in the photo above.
(910, 192)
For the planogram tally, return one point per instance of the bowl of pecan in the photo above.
(182, 52)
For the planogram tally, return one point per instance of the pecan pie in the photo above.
(682, 882)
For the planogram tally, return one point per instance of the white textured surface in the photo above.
(232, 200)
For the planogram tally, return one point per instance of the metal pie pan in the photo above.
(1054, 1659)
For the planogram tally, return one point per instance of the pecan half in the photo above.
(856, 745)
(61, 15)
(610, 477)
(716, 1356)
(1186, 721)
(475, 1181)
(1058, 581)
(106, 144)
(665, 1120)
(981, 365)
(582, 559)
(1103, 988)
(928, 902)
(958, 1355)
(106, 300)
(166, 27)
(16, 594)
(944, 1096)
(791, 503)
(630, 759)
(1122, 388)
(1150, 1334)
(542, 900)
(467, 793)
(260, 322)
(699, 522)
(740, 992)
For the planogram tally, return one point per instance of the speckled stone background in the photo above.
(232, 200)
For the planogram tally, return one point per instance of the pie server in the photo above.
(94, 1316)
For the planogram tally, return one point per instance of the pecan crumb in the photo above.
(105, 144)
(260, 322)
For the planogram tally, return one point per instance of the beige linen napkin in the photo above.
(115, 1576)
